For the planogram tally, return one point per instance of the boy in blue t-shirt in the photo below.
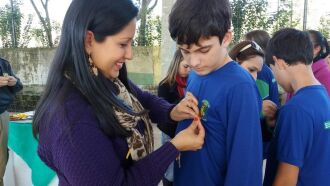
(227, 95)
(301, 153)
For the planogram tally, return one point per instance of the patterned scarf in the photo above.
(139, 145)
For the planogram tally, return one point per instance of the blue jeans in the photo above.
(169, 172)
(4, 119)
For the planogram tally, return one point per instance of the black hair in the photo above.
(70, 66)
(319, 40)
(245, 50)
(261, 37)
(291, 45)
(190, 20)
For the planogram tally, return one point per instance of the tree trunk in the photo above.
(143, 23)
(45, 21)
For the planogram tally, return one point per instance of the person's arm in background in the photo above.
(287, 175)
(293, 135)
(166, 92)
(14, 82)
(244, 140)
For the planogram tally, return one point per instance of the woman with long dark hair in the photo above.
(321, 51)
(92, 123)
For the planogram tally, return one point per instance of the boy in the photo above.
(301, 154)
(227, 95)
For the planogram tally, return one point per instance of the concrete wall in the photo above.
(32, 66)
(168, 46)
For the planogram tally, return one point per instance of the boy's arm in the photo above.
(243, 140)
(293, 139)
(287, 175)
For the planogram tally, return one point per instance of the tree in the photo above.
(152, 32)
(143, 16)
(324, 26)
(45, 21)
(248, 15)
(256, 17)
(238, 8)
(10, 24)
(283, 17)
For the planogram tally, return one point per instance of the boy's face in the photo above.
(281, 75)
(208, 55)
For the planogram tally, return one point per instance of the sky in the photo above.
(57, 9)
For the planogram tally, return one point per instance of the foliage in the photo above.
(46, 38)
(152, 32)
(149, 28)
(324, 27)
(10, 24)
(249, 15)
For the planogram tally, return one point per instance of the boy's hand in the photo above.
(269, 108)
(187, 108)
(12, 81)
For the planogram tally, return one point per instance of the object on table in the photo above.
(22, 116)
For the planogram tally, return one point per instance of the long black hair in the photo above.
(319, 40)
(70, 66)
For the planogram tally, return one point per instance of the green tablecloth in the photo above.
(22, 142)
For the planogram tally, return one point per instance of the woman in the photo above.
(319, 66)
(321, 51)
(250, 56)
(172, 89)
(93, 124)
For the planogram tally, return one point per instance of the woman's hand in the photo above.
(187, 108)
(191, 138)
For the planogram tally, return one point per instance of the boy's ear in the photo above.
(88, 41)
(227, 38)
(280, 63)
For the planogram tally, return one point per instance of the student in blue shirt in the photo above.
(268, 89)
(227, 95)
(301, 154)
(250, 56)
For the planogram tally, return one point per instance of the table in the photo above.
(24, 165)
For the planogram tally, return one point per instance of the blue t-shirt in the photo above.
(267, 85)
(302, 137)
(230, 104)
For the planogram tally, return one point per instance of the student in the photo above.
(9, 86)
(268, 89)
(319, 66)
(93, 124)
(265, 78)
(250, 56)
(172, 89)
(302, 135)
(228, 99)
